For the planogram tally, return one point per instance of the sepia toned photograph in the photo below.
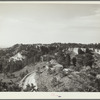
(49, 47)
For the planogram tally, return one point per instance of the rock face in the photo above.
(18, 56)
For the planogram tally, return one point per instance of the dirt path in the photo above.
(28, 79)
(31, 77)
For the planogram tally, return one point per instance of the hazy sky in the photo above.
(48, 23)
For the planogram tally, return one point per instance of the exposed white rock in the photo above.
(16, 57)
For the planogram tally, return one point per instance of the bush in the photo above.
(88, 60)
(74, 61)
(51, 71)
(43, 88)
(54, 82)
(67, 60)
(38, 70)
(80, 51)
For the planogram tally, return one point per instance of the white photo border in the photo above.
(50, 95)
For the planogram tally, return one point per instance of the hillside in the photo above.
(53, 67)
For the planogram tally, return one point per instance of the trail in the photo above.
(28, 79)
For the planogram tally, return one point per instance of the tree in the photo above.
(88, 51)
(60, 57)
(74, 61)
(52, 48)
(79, 62)
(80, 51)
(54, 81)
(88, 60)
(67, 60)
(1, 66)
(44, 50)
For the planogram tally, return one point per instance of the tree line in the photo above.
(34, 52)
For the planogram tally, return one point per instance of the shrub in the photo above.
(74, 61)
(67, 60)
(88, 60)
(43, 88)
(80, 51)
(54, 82)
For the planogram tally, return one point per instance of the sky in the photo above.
(30, 23)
